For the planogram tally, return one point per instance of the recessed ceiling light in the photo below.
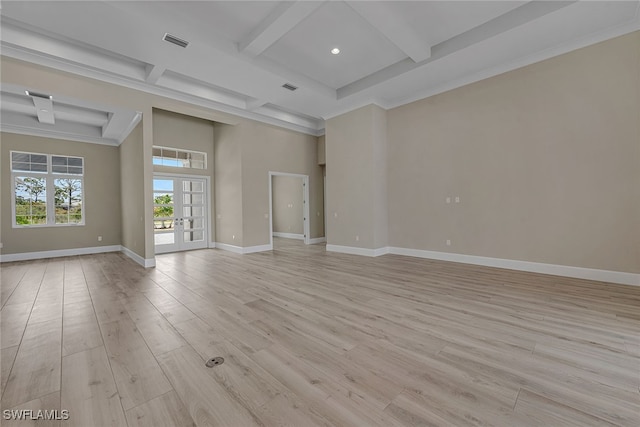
(335, 51)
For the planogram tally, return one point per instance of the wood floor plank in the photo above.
(13, 322)
(81, 331)
(136, 372)
(36, 370)
(27, 289)
(89, 391)
(44, 411)
(208, 402)
(11, 276)
(163, 411)
(7, 357)
(312, 338)
(542, 411)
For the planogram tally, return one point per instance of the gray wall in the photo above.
(356, 178)
(132, 195)
(101, 197)
(228, 184)
(545, 160)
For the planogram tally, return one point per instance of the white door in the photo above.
(179, 213)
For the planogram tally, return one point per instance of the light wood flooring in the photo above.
(315, 339)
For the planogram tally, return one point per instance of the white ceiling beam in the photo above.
(383, 17)
(118, 122)
(253, 104)
(153, 73)
(282, 20)
(44, 109)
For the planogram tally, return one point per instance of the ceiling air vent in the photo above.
(38, 95)
(289, 86)
(175, 40)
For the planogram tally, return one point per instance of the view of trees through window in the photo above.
(68, 201)
(31, 201)
(47, 189)
(163, 211)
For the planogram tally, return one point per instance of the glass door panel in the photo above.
(179, 213)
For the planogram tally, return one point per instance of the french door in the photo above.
(179, 213)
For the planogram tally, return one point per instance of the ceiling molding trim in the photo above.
(393, 27)
(8, 128)
(523, 62)
(282, 20)
(73, 68)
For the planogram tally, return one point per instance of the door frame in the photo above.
(305, 205)
(207, 216)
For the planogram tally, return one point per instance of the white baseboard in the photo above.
(317, 240)
(212, 245)
(289, 235)
(509, 264)
(534, 267)
(230, 248)
(357, 251)
(146, 263)
(59, 253)
(253, 249)
(245, 250)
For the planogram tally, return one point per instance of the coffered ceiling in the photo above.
(241, 53)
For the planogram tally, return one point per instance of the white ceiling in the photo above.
(242, 52)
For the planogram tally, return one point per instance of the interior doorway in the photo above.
(289, 206)
(180, 213)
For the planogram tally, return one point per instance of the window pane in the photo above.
(193, 236)
(20, 166)
(37, 167)
(58, 160)
(169, 154)
(28, 162)
(59, 168)
(75, 170)
(193, 211)
(178, 158)
(164, 238)
(20, 157)
(191, 223)
(75, 161)
(193, 198)
(163, 185)
(68, 201)
(196, 164)
(193, 186)
(31, 201)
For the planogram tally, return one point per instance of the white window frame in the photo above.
(183, 151)
(49, 177)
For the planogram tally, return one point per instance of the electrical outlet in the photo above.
(233, 237)
(448, 200)
(335, 214)
(448, 242)
(357, 238)
(99, 238)
(457, 199)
